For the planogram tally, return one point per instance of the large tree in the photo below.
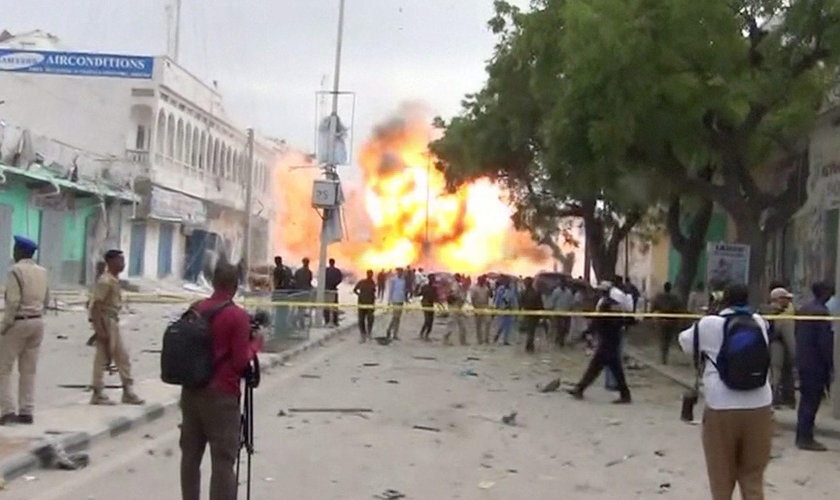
(502, 133)
(683, 86)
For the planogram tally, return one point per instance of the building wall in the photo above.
(87, 112)
(26, 220)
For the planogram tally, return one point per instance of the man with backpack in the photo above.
(815, 364)
(733, 349)
(210, 411)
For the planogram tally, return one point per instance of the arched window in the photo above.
(170, 137)
(160, 133)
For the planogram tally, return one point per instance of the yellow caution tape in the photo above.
(250, 302)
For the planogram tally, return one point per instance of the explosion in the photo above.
(406, 210)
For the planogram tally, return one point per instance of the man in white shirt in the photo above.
(737, 424)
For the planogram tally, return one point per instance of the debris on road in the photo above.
(392, 381)
(620, 460)
(426, 358)
(551, 386)
(307, 375)
(486, 485)
(370, 364)
(659, 453)
(426, 428)
(473, 358)
(62, 337)
(509, 419)
(390, 494)
(330, 410)
(282, 413)
(469, 372)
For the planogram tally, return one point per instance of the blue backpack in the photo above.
(744, 358)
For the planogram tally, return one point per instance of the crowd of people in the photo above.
(790, 353)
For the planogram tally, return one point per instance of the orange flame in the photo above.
(467, 231)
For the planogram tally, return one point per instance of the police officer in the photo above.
(22, 331)
(107, 302)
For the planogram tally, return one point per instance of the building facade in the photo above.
(182, 157)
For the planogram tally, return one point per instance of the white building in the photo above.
(189, 158)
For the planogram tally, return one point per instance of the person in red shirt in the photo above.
(211, 414)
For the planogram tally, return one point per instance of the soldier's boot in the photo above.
(100, 399)
(129, 397)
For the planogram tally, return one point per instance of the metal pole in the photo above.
(329, 168)
(627, 259)
(177, 48)
(249, 200)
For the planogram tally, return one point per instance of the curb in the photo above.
(42, 453)
(689, 384)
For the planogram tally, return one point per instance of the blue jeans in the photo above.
(505, 327)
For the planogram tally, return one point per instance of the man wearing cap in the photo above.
(22, 331)
(782, 347)
(107, 302)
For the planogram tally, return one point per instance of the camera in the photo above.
(258, 321)
(689, 401)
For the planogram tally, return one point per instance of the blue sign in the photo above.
(76, 63)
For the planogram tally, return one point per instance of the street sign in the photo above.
(325, 193)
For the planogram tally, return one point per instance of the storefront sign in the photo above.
(169, 205)
(728, 263)
(76, 63)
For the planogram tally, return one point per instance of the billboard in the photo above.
(727, 263)
(76, 63)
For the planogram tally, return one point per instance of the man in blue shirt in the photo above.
(815, 363)
(396, 299)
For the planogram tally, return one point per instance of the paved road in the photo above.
(559, 448)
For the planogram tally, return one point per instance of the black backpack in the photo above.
(744, 358)
(187, 355)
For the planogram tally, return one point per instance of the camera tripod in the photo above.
(246, 423)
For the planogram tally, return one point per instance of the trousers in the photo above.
(456, 321)
(20, 344)
(610, 358)
(482, 328)
(428, 323)
(812, 386)
(505, 325)
(782, 376)
(366, 322)
(394, 325)
(111, 350)
(737, 448)
(530, 326)
(668, 331)
(331, 313)
(209, 417)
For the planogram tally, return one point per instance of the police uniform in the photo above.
(22, 331)
(107, 296)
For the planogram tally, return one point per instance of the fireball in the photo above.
(409, 215)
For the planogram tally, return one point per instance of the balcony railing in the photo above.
(137, 156)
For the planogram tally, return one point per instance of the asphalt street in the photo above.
(555, 448)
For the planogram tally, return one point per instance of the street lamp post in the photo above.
(330, 168)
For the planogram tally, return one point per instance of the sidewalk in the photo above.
(680, 370)
(66, 419)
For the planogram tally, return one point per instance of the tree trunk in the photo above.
(603, 251)
(749, 233)
(690, 246)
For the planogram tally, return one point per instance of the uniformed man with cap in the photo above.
(22, 331)
(107, 302)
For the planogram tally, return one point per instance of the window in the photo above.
(140, 141)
